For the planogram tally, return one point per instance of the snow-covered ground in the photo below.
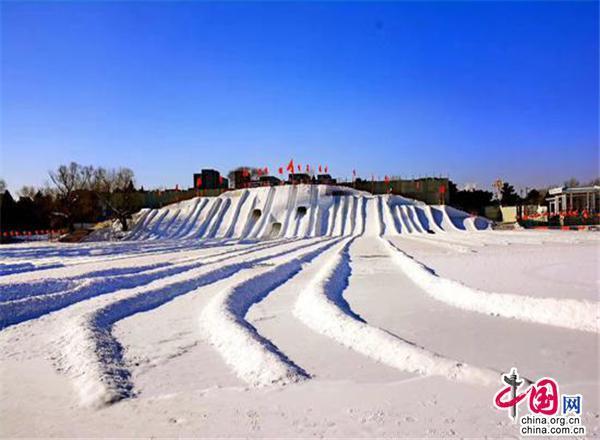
(347, 318)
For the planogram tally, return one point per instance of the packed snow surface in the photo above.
(294, 311)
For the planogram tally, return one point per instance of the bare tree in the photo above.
(2, 190)
(571, 183)
(115, 188)
(28, 192)
(68, 180)
(595, 181)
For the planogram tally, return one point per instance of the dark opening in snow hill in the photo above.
(296, 211)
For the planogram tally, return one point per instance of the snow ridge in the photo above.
(93, 357)
(568, 313)
(254, 359)
(54, 295)
(322, 307)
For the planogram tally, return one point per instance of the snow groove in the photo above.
(17, 291)
(188, 210)
(93, 357)
(261, 225)
(11, 269)
(185, 231)
(142, 223)
(322, 307)
(568, 313)
(291, 204)
(253, 358)
(236, 214)
(64, 293)
(313, 207)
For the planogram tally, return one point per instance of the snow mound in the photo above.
(299, 211)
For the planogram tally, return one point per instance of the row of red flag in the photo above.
(291, 168)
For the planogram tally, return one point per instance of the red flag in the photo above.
(266, 171)
(299, 167)
(199, 182)
(290, 166)
(280, 170)
(387, 179)
(442, 189)
(259, 172)
(326, 168)
(320, 169)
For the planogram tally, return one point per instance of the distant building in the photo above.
(242, 178)
(299, 178)
(269, 181)
(210, 179)
(431, 190)
(325, 179)
(581, 198)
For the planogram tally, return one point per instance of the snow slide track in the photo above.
(93, 357)
(77, 289)
(80, 264)
(43, 287)
(322, 307)
(254, 359)
(16, 268)
(567, 313)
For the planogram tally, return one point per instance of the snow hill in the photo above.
(298, 211)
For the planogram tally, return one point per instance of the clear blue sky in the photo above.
(473, 90)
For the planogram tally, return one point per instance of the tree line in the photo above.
(74, 194)
(475, 200)
(86, 194)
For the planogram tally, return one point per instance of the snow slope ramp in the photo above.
(299, 211)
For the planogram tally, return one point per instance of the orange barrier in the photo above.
(564, 228)
(30, 233)
(585, 214)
